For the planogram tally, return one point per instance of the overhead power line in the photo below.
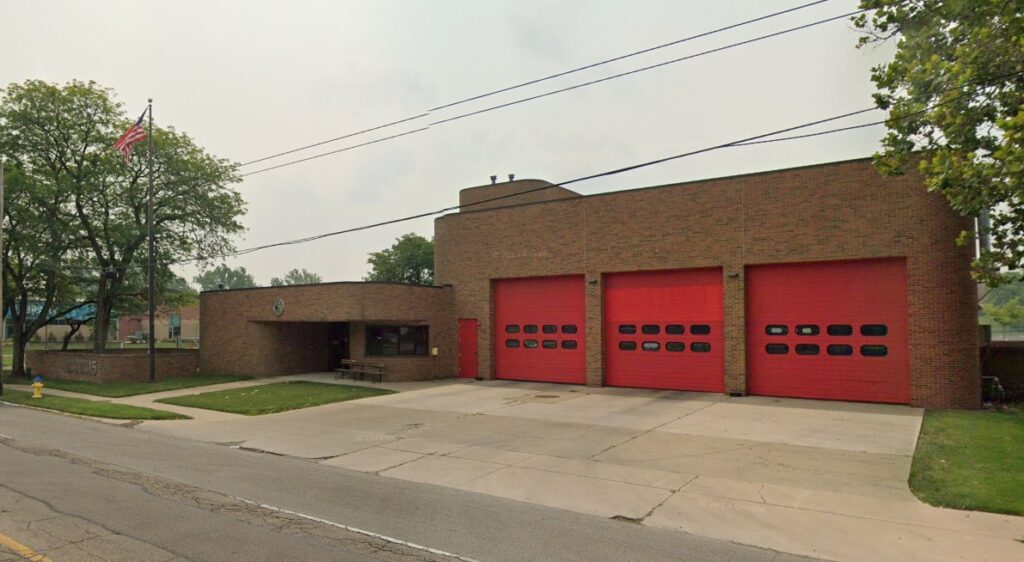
(748, 141)
(544, 95)
(626, 56)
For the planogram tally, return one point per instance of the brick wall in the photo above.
(242, 335)
(111, 366)
(473, 197)
(838, 211)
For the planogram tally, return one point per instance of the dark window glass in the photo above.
(530, 343)
(700, 347)
(874, 330)
(807, 330)
(627, 345)
(397, 340)
(840, 349)
(549, 344)
(651, 346)
(549, 329)
(675, 346)
(650, 329)
(568, 328)
(511, 328)
(568, 344)
(700, 329)
(776, 349)
(807, 349)
(776, 330)
(627, 329)
(874, 350)
(840, 330)
(530, 328)
(675, 329)
(511, 343)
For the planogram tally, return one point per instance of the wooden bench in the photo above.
(359, 370)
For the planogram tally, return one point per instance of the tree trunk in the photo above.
(71, 333)
(18, 353)
(104, 304)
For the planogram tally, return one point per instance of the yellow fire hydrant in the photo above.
(37, 387)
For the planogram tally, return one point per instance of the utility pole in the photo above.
(152, 255)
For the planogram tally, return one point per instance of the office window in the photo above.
(396, 340)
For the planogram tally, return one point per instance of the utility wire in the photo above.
(646, 68)
(566, 89)
(539, 80)
(626, 56)
(756, 139)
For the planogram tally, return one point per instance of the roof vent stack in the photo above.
(511, 177)
(494, 180)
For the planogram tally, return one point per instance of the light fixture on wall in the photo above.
(733, 275)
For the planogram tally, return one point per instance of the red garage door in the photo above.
(835, 330)
(539, 329)
(663, 329)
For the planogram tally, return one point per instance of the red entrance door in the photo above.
(467, 348)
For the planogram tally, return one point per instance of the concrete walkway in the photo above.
(822, 479)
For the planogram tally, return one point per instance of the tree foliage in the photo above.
(409, 260)
(59, 140)
(954, 92)
(296, 277)
(224, 277)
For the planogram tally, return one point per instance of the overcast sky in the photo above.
(250, 78)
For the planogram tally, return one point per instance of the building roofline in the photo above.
(287, 287)
(661, 186)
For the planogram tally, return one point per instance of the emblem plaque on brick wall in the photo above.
(278, 307)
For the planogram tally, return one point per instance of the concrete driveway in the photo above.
(822, 479)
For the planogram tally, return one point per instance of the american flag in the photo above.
(130, 137)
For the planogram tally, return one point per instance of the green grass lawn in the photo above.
(119, 389)
(93, 408)
(971, 460)
(275, 397)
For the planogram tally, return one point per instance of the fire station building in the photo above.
(827, 282)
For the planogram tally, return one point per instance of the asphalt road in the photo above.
(75, 489)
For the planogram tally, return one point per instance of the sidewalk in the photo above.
(821, 479)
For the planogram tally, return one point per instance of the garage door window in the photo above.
(776, 349)
(675, 346)
(700, 347)
(807, 349)
(807, 330)
(675, 329)
(549, 344)
(840, 349)
(550, 329)
(840, 330)
(531, 344)
(776, 329)
(568, 344)
(511, 343)
(627, 329)
(700, 329)
(874, 330)
(512, 328)
(651, 346)
(530, 328)
(396, 340)
(650, 329)
(874, 350)
(569, 328)
(627, 345)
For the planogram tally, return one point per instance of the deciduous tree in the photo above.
(955, 96)
(296, 277)
(409, 260)
(224, 277)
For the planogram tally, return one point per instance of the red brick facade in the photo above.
(111, 366)
(242, 335)
(839, 211)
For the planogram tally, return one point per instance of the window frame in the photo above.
(387, 335)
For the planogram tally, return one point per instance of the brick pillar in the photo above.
(594, 301)
(735, 328)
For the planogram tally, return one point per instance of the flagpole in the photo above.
(152, 251)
